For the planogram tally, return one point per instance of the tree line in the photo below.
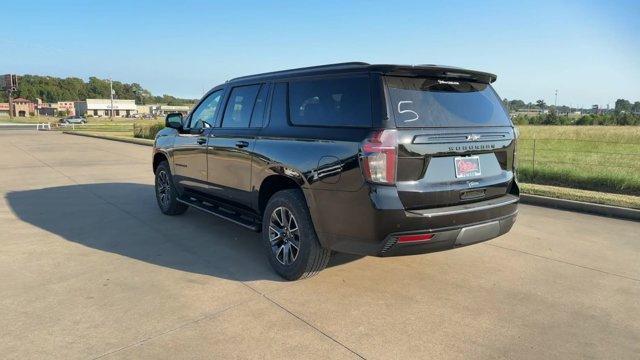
(624, 113)
(53, 89)
(621, 106)
(552, 118)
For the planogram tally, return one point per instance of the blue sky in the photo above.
(589, 51)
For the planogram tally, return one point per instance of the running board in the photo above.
(221, 212)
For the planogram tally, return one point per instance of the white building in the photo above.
(102, 107)
(162, 110)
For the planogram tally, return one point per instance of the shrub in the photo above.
(147, 130)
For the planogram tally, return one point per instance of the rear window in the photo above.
(344, 101)
(428, 102)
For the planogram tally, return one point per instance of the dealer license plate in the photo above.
(467, 166)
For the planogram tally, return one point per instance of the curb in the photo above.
(17, 126)
(146, 142)
(581, 206)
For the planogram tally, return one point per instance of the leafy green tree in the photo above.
(53, 89)
(622, 105)
(517, 104)
(635, 108)
(540, 104)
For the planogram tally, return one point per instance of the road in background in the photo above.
(90, 268)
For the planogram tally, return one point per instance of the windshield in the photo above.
(429, 102)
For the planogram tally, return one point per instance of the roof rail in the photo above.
(309, 68)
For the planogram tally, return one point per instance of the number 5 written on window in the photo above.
(400, 111)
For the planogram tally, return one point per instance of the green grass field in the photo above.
(598, 158)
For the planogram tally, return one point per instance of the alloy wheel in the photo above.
(163, 188)
(284, 236)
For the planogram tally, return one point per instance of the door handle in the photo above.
(202, 140)
(242, 144)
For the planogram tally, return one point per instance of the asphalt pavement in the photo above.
(90, 268)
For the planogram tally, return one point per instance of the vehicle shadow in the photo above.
(123, 218)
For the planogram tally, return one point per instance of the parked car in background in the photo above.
(357, 158)
(73, 120)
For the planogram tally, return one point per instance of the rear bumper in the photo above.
(367, 222)
(445, 239)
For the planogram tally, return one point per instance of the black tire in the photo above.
(168, 203)
(311, 257)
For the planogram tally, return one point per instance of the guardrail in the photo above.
(43, 126)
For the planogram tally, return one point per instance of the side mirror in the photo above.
(174, 121)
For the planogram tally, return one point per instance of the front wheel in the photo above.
(166, 193)
(289, 237)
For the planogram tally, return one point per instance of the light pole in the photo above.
(556, 101)
(111, 93)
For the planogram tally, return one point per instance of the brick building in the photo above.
(23, 107)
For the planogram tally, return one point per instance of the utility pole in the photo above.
(10, 104)
(111, 93)
(556, 101)
(9, 83)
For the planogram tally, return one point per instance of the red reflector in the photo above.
(414, 238)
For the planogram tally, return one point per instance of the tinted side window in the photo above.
(261, 104)
(342, 101)
(279, 104)
(239, 107)
(206, 111)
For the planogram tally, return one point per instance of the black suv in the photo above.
(357, 158)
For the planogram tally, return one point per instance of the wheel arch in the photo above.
(271, 185)
(277, 182)
(159, 157)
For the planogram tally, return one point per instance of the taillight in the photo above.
(380, 154)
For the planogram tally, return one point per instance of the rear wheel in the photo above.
(289, 237)
(166, 193)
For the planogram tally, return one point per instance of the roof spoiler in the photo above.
(439, 71)
(398, 70)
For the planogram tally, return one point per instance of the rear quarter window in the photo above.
(339, 101)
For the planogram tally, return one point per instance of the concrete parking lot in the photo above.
(89, 268)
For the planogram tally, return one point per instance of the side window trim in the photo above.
(272, 96)
(253, 107)
(267, 110)
(267, 86)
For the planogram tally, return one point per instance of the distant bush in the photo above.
(147, 130)
(552, 118)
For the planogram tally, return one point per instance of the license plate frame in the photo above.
(467, 166)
